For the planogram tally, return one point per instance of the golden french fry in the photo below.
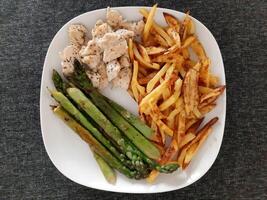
(191, 126)
(166, 93)
(152, 176)
(172, 99)
(214, 93)
(188, 41)
(206, 109)
(151, 50)
(162, 126)
(149, 22)
(130, 49)
(191, 27)
(153, 95)
(142, 61)
(204, 75)
(175, 36)
(197, 113)
(145, 80)
(172, 21)
(160, 40)
(169, 57)
(189, 154)
(185, 54)
(198, 49)
(157, 28)
(213, 80)
(185, 27)
(204, 90)
(144, 53)
(190, 91)
(151, 84)
(186, 139)
(181, 127)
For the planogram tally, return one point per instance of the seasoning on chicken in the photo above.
(100, 30)
(68, 56)
(113, 46)
(114, 18)
(77, 34)
(136, 27)
(123, 79)
(113, 68)
(126, 34)
(124, 60)
(91, 55)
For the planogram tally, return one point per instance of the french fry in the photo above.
(198, 49)
(152, 176)
(130, 49)
(181, 127)
(169, 57)
(155, 50)
(136, 88)
(144, 53)
(172, 99)
(149, 22)
(186, 54)
(191, 127)
(188, 41)
(204, 75)
(175, 36)
(213, 81)
(172, 21)
(151, 84)
(160, 40)
(206, 109)
(190, 91)
(145, 80)
(157, 28)
(204, 90)
(185, 27)
(162, 126)
(186, 139)
(142, 61)
(214, 93)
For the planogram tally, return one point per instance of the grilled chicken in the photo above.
(67, 57)
(113, 46)
(100, 30)
(123, 79)
(77, 34)
(114, 18)
(113, 68)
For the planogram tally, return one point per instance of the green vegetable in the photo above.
(107, 171)
(95, 145)
(134, 121)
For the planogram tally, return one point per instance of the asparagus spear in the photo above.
(70, 108)
(134, 121)
(94, 144)
(107, 171)
(80, 79)
(113, 132)
(60, 85)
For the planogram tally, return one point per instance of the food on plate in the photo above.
(156, 64)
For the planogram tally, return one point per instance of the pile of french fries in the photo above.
(173, 90)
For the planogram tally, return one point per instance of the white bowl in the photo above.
(72, 157)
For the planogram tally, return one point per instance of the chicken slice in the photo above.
(67, 57)
(136, 27)
(114, 18)
(100, 30)
(94, 77)
(103, 74)
(123, 79)
(113, 45)
(77, 34)
(91, 55)
(124, 60)
(126, 34)
(113, 68)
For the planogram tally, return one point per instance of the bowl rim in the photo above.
(111, 189)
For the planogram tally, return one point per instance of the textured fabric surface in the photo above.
(26, 29)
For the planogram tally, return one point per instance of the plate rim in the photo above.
(113, 189)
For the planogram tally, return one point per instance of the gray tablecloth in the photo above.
(27, 28)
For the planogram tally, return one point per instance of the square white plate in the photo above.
(72, 156)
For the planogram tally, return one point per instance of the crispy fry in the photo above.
(213, 81)
(181, 127)
(162, 126)
(169, 57)
(204, 90)
(152, 176)
(151, 84)
(172, 21)
(175, 36)
(157, 28)
(214, 93)
(198, 49)
(192, 128)
(186, 139)
(142, 61)
(190, 91)
(206, 109)
(145, 80)
(161, 41)
(155, 50)
(149, 22)
(144, 53)
(130, 49)
(188, 41)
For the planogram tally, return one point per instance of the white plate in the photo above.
(71, 155)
